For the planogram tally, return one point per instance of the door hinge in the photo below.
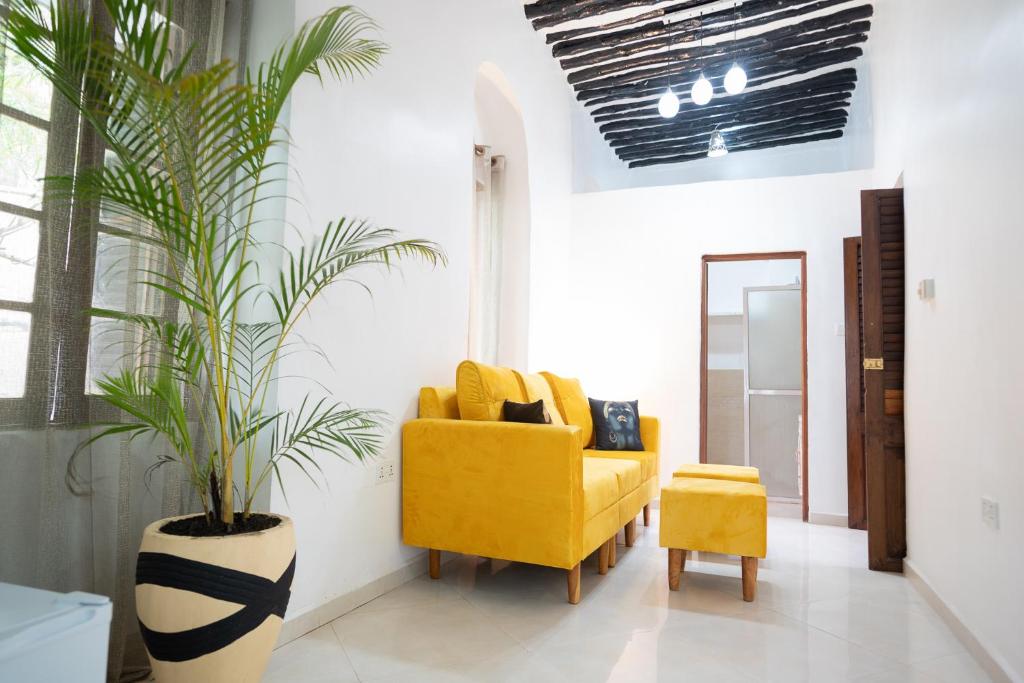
(874, 364)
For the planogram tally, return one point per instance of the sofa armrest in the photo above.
(495, 489)
(650, 434)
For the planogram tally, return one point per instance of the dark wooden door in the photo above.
(854, 295)
(884, 286)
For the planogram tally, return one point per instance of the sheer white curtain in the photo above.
(486, 275)
(54, 538)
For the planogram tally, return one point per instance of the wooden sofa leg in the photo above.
(749, 578)
(611, 551)
(676, 560)
(630, 532)
(602, 559)
(647, 514)
(435, 563)
(573, 576)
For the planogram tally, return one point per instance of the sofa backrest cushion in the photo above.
(538, 389)
(483, 389)
(573, 404)
(439, 403)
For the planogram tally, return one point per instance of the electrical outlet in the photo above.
(385, 472)
(990, 512)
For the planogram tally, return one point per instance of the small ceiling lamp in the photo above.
(668, 105)
(717, 148)
(736, 79)
(702, 90)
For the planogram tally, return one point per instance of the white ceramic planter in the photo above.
(211, 608)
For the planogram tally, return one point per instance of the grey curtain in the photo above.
(83, 537)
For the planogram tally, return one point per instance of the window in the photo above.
(57, 262)
(25, 99)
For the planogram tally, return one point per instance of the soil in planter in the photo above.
(198, 525)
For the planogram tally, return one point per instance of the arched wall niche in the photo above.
(499, 125)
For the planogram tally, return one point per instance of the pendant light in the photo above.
(702, 90)
(717, 147)
(736, 78)
(668, 105)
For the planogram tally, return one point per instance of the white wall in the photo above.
(633, 323)
(949, 121)
(397, 148)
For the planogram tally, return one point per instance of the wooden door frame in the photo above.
(856, 482)
(767, 256)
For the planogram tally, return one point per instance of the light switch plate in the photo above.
(990, 512)
(384, 472)
(840, 330)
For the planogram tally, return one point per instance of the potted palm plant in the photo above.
(187, 160)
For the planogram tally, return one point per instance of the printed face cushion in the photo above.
(530, 413)
(616, 425)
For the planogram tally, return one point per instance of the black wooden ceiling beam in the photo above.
(548, 14)
(838, 81)
(788, 57)
(657, 36)
(802, 107)
(813, 30)
(646, 98)
(735, 132)
(767, 144)
(764, 68)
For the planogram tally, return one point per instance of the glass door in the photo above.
(773, 387)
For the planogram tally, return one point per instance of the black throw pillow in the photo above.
(530, 413)
(616, 425)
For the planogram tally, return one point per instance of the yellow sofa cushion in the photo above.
(439, 403)
(483, 389)
(538, 389)
(600, 488)
(710, 471)
(572, 403)
(627, 472)
(648, 460)
(714, 515)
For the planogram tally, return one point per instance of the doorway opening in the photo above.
(753, 371)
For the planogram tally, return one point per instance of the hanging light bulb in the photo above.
(702, 91)
(668, 105)
(735, 80)
(717, 148)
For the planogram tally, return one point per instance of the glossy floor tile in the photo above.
(820, 616)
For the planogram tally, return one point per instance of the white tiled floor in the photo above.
(820, 616)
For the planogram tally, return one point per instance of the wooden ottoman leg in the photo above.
(749, 578)
(647, 514)
(435, 563)
(676, 559)
(573, 576)
(630, 532)
(602, 559)
(611, 551)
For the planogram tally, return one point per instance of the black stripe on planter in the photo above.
(259, 596)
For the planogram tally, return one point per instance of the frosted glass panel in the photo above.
(774, 442)
(774, 339)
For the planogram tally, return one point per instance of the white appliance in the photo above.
(47, 636)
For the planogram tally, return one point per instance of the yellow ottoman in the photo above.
(717, 516)
(730, 472)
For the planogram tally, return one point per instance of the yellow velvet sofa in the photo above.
(474, 484)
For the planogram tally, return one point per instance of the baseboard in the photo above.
(828, 519)
(992, 663)
(313, 619)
